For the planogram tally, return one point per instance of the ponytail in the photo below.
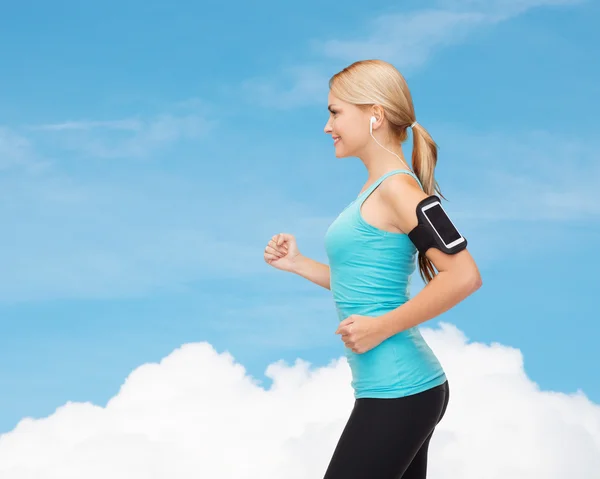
(424, 159)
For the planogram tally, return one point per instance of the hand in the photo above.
(361, 333)
(282, 252)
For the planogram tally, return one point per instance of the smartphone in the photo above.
(441, 224)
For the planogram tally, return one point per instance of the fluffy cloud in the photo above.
(199, 414)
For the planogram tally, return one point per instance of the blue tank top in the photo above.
(370, 275)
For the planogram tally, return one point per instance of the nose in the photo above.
(328, 128)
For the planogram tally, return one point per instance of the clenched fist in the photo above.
(282, 252)
(361, 333)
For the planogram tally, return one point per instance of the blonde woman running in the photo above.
(401, 390)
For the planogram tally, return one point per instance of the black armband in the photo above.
(435, 230)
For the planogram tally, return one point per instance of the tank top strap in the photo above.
(410, 173)
(365, 194)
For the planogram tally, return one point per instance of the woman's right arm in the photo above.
(282, 253)
(312, 270)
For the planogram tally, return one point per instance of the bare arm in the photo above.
(458, 275)
(312, 270)
(282, 253)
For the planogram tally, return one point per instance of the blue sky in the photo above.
(148, 150)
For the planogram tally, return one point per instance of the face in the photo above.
(348, 126)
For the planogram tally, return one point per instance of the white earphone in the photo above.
(373, 120)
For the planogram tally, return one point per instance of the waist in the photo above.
(371, 307)
(366, 293)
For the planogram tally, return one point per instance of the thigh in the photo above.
(417, 469)
(383, 436)
(371, 445)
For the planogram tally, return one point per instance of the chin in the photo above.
(340, 153)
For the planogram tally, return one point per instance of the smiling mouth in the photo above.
(336, 139)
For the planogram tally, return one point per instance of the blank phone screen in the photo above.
(442, 224)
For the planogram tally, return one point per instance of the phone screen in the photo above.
(442, 224)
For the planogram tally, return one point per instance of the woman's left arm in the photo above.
(458, 275)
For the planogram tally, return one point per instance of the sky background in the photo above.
(148, 152)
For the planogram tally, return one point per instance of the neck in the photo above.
(379, 161)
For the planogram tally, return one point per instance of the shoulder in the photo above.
(402, 194)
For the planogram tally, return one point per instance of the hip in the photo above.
(399, 366)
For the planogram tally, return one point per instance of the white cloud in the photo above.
(139, 232)
(16, 151)
(129, 232)
(407, 40)
(85, 238)
(294, 87)
(129, 236)
(502, 9)
(198, 414)
(521, 194)
(527, 176)
(127, 124)
(125, 138)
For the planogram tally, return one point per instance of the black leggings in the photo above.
(389, 438)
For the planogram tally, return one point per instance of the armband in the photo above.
(435, 230)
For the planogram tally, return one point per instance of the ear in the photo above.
(378, 113)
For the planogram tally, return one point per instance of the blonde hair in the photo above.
(369, 82)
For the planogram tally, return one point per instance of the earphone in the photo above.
(373, 120)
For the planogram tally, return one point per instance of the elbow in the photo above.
(467, 281)
(473, 281)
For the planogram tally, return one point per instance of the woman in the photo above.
(401, 390)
